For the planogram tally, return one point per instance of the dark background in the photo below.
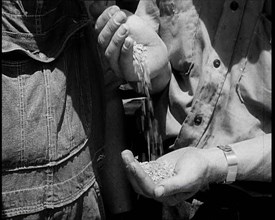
(129, 5)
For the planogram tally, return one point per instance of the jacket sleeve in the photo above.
(254, 158)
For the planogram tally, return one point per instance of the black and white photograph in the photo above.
(136, 110)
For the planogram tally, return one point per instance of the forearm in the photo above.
(162, 79)
(253, 156)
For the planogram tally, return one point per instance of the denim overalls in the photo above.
(52, 112)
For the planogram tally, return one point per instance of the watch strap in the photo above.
(232, 163)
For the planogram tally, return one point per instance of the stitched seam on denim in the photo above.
(56, 184)
(50, 185)
(43, 206)
(22, 210)
(46, 85)
(49, 171)
(21, 113)
(63, 202)
(60, 202)
(53, 142)
(24, 117)
(69, 126)
(89, 181)
(86, 167)
(52, 163)
(75, 195)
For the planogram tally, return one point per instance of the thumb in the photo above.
(126, 60)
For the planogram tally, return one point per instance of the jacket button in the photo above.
(234, 6)
(198, 119)
(216, 63)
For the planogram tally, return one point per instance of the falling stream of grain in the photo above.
(157, 171)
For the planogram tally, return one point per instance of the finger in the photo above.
(97, 7)
(114, 48)
(128, 159)
(175, 199)
(105, 17)
(141, 180)
(135, 183)
(110, 28)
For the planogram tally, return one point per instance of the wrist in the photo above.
(232, 163)
(162, 78)
(217, 165)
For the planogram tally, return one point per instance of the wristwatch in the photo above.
(232, 163)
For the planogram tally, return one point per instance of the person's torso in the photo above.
(52, 119)
(220, 52)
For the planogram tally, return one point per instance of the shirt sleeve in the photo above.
(254, 158)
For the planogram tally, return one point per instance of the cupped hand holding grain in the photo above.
(118, 30)
(193, 170)
(140, 180)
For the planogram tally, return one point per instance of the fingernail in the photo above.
(127, 44)
(124, 30)
(119, 18)
(127, 160)
(159, 191)
(113, 10)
